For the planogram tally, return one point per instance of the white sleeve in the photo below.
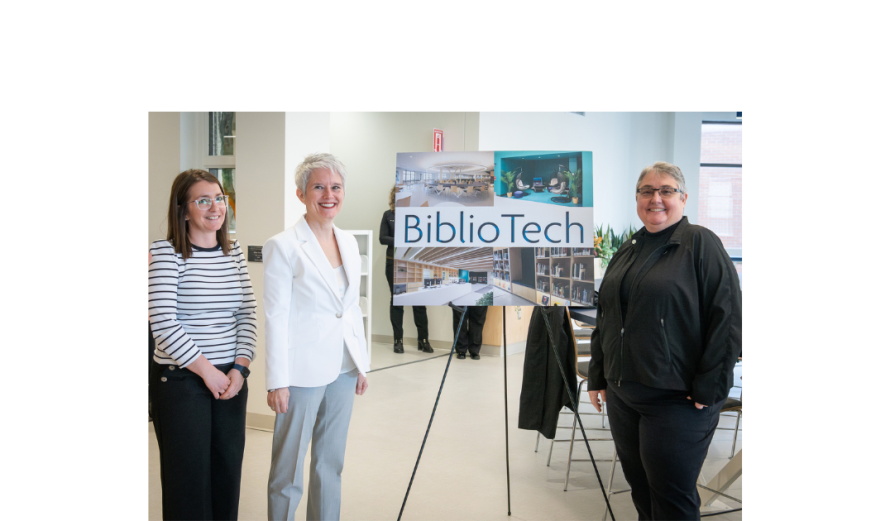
(277, 283)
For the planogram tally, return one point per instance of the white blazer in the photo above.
(306, 320)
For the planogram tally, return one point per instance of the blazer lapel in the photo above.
(313, 250)
(351, 263)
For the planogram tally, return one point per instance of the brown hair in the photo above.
(177, 225)
(392, 197)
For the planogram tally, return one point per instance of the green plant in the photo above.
(627, 234)
(577, 180)
(486, 300)
(508, 178)
(604, 243)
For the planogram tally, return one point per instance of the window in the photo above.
(221, 137)
(219, 159)
(720, 183)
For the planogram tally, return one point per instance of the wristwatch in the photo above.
(245, 372)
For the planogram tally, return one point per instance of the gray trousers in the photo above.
(322, 414)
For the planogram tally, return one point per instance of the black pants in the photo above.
(470, 335)
(662, 441)
(201, 441)
(397, 313)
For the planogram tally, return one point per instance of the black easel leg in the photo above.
(506, 422)
(460, 324)
(577, 416)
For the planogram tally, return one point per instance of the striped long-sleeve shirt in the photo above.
(203, 305)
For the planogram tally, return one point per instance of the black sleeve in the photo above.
(386, 237)
(596, 379)
(721, 298)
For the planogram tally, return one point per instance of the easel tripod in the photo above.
(568, 389)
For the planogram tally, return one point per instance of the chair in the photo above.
(455, 190)
(519, 184)
(558, 185)
(471, 190)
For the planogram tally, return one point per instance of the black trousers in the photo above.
(397, 313)
(469, 338)
(201, 441)
(662, 441)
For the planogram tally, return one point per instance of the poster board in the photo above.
(499, 228)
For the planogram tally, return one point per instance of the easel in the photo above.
(463, 311)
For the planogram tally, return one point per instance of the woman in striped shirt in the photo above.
(203, 317)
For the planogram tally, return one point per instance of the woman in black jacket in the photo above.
(668, 335)
(396, 313)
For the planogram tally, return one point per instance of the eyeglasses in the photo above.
(205, 203)
(666, 192)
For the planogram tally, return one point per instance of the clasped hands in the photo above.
(224, 386)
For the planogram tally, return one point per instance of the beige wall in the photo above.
(163, 167)
(260, 180)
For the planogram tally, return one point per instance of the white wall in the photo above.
(687, 155)
(367, 143)
(163, 167)
(622, 144)
(719, 115)
(305, 133)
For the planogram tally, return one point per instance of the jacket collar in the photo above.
(310, 245)
(678, 232)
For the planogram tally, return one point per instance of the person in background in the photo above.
(397, 313)
(469, 337)
(202, 313)
(668, 335)
(316, 354)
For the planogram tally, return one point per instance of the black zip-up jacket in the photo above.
(683, 329)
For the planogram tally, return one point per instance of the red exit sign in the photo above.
(437, 140)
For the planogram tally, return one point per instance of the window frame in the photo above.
(209, 162)
(214, 161)
(734, 253)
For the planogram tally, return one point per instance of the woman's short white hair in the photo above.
(314, 162)
(667, 169)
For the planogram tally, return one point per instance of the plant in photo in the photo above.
(508, 178)
(576, 180)
(486, 300)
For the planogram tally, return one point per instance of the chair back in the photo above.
(574, 345)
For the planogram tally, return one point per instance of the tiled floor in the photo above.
(462, 474)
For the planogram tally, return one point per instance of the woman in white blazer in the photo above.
(316, 354)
